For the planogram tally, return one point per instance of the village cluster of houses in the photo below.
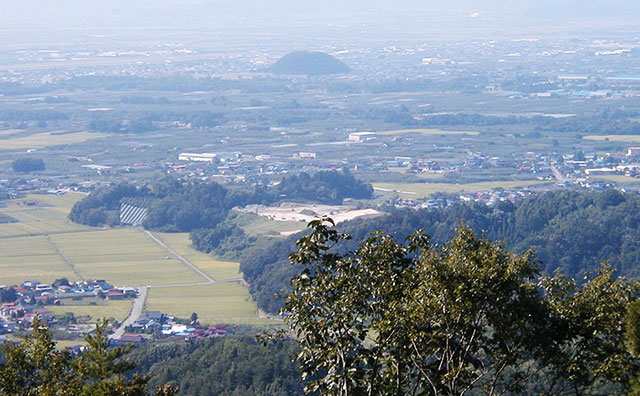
(23, 303)
(162, 325)
(29, 300)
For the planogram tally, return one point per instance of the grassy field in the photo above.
(227, 303)
(255, 225)
(423, 190)
(47, 139)
(613, 138)
(216, 269)
(27, 258)
(124, 257)
(424, 176)
(621, 179)
(118, 310)
(40, 214)
(427, 132)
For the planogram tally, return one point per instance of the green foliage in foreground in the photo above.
(463, 318)
(570, 231)
(35, 367)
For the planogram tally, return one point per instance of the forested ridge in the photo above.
(569, 231)
(230, 366)
(177, 206)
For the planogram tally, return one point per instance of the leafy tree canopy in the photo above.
(35, 367)
(464, 317)
(570, 231)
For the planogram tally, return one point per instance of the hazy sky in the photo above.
(94, 15)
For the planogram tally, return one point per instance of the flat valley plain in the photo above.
(44, 245)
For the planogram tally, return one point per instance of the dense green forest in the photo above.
(465, 317)
(324, 187)
(230, 366)
(570, 231)
(173, 206)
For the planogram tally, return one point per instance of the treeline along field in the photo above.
(201, 208)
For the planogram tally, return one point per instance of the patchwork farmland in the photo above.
(44, 245)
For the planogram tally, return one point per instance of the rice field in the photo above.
(28, 258)
(47, 139)
(425, 190)
(216, 269)
(621, 179)
(613, 138)
(427, 132)
(8, 132)
(227, 303)
(40, 214)
(126, 257)
(118, 310)
(44, 245)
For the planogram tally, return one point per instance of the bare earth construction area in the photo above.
(304, 213)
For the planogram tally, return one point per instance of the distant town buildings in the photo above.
(193, 157)
(361, 136)
(306, 155)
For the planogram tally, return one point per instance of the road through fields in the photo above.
(179, 257)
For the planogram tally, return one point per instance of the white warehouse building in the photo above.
(361, 136)
(193, 157)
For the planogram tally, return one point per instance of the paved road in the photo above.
(559, 177)
(136, 311)
(215, 282)
(179, 257)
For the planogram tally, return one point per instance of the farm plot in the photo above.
(424, 190)
(427, 132)
(62, 203)
(291, 212)
(613, 138)
(621, 179)
(94, 309)
(216, 269)
(29, 258)
(124, 257)
(47, 139)
(227, 303)
(40, 214)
